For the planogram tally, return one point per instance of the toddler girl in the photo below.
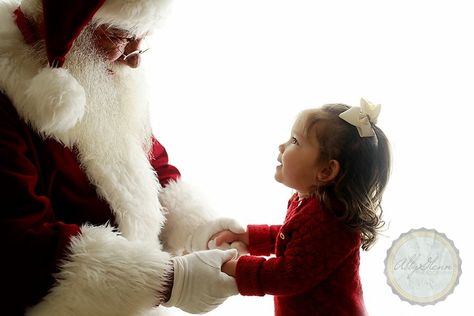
(338, 162)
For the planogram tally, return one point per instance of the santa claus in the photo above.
(93, 220)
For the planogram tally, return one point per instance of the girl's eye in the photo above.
(293, 140)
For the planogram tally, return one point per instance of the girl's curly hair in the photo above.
(364, 169)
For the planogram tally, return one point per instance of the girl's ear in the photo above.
(328, 172)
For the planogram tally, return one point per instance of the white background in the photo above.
(228, 78)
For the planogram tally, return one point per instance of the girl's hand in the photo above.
(229, 267)
(204, 233)
(226, 236)
(227, 239)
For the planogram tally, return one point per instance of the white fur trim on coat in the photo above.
(131, 188)
(185, 211)
(106, 274)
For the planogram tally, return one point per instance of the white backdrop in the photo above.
(228, 78)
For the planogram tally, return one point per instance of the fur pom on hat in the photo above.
(54, 97)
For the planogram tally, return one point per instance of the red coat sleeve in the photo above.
(159, 161)
(262, 239)
(33, 241)
(315, 245)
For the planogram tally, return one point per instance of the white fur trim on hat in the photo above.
(136, 16)
(54, 100)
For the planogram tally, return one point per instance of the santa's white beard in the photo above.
(117, 100)
(113, 140)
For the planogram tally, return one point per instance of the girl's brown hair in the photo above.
(355, 195)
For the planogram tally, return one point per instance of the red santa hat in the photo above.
(54, 95)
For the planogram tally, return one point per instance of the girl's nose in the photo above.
(281, 147)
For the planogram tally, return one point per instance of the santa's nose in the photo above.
(131, 54)
(133, 60)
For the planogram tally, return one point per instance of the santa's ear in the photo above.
(328, 172)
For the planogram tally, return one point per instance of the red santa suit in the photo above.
(81, 234)
(316, 268)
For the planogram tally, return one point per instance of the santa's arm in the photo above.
(53, 268)
(190, 221)
(184, 210)
(186, 214)
(106, 274)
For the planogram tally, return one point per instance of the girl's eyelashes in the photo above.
(293, 140)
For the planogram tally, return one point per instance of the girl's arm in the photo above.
(314, 250)
(261, 239)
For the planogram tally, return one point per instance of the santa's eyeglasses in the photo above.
(120, 41)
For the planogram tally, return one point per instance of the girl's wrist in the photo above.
(230, 267)
(244, 237)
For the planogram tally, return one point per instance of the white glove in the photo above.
(199, 285)
(204, 232)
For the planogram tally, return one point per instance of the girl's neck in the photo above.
(304, 195)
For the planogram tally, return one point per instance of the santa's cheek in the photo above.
(113, 56)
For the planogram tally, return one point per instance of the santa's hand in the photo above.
(199, 286)
(204, 232)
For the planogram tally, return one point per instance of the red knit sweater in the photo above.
(315, 270)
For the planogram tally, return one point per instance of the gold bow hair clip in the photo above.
(362, 117)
